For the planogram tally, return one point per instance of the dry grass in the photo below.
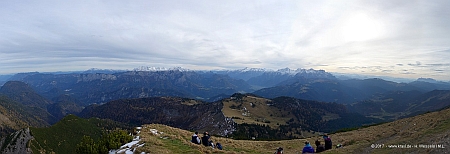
(431, 128)
(259, 113)
(174, 140)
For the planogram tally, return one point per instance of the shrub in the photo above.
(108, 141)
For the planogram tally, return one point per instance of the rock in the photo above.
(16, 143)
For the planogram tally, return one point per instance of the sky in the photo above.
(400, 38)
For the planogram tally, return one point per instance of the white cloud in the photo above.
(330, 35)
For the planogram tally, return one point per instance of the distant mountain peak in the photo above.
(99, 70)
(93, 69)
(15, 86)
(247, 69)
(156, 69)
(299, 70)
(430, 80)
(286, 70)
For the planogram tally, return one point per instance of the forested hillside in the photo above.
(177, 112)
(287, 117)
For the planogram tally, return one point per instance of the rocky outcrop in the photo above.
(16, 143)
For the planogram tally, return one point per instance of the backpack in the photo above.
(219, 146)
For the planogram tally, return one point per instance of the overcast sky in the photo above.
(396, 38)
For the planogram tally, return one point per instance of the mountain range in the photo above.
(250, 103)
(401, 104)
(208, 85)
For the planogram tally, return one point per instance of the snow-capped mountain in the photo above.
(311, 73)
(301, 71)
(245, 73)
(247, 69)
(156, 69)
(105, 71)
(268, 79)
(287, 71)
(261, 77)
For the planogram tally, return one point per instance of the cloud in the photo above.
(329, 35)
(439, 65)
(408, 73)
(418, 63)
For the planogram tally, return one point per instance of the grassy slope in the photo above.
(253, 115)
(273, 117)
(174, 140)
(430, 128)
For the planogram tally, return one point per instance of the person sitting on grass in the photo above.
(195, 138)
(308, 148)
(279, 150)
(319, 147)
(205, 139)
(328, 143)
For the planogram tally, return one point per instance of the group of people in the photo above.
(319, 147)
(205, 140)
(309, 149)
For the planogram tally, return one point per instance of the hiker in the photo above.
(308, 148)
(319, 147)
(279, 150)
(195, 138)
(328, 143)
(206, 139)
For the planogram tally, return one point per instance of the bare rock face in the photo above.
(16, 143)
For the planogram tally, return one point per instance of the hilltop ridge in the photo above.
(424, 131)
